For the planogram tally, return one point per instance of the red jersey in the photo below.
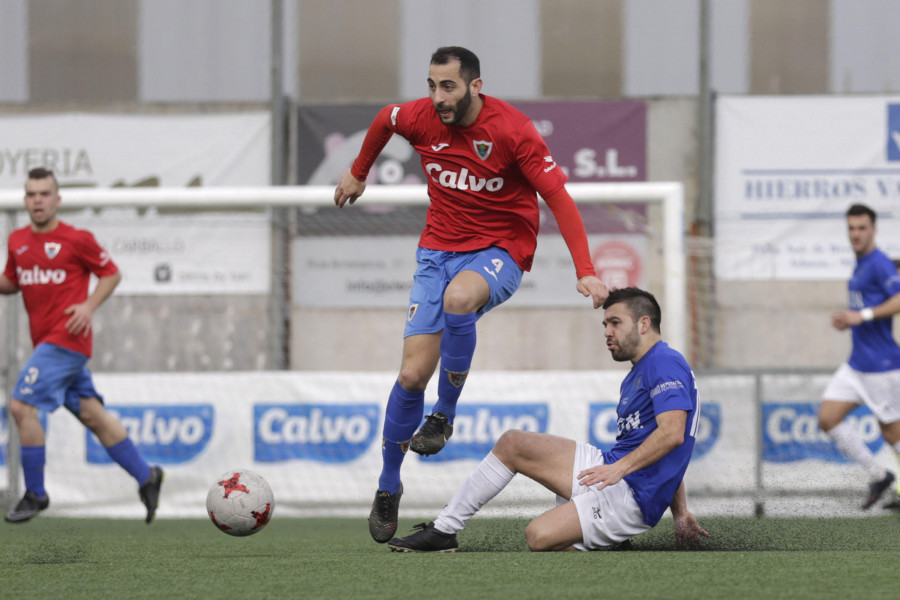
(53, 270)
(483, 179)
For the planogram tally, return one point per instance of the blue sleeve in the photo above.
(672, 386)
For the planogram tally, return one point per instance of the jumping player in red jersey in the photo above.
(485, 164)
(51, 263)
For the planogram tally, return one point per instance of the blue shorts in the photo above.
(435, 271)
(55, 376)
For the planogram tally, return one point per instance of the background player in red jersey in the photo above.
(51, 262)
(485, 164)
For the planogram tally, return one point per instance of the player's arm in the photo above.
(82, 313)
(7, 285)
(848, 318)
(353, 181)
(572, 229)
(668, 435)
(687, 529)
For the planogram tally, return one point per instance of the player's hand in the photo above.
(80, 321)
(348, 189)
(590, 285)
(688, 532)
(601, 475)
(843, 319)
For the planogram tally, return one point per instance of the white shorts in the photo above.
(879, 391)
(608, 516)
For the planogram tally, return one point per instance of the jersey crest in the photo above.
(51, 249)
(483, 148)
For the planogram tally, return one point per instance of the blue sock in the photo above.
(457, 349)
(126, 454)
(33, 460)
(401, 418)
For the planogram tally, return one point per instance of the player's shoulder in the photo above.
(666, 359)
(495, 107)
(413, 109)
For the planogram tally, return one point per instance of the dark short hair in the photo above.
(641, 303)
(469, 65)
(43, 173)
(857, 210)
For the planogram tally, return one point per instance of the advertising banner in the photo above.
(181, 253)
(796, 453)
(119, 150)
(591, 141)
(787, 169)
(316, 437)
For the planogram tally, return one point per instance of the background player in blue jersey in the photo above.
(603, 498)
(871, 375)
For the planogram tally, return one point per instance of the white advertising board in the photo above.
(316, 437)
(125, 150)
(378, 270)
(787, 169)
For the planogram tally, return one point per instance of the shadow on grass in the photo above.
(727, 534)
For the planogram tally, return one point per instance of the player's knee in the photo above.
(537, 539)
(507, 443)
(22, 412)
(461, 299)
(412, 379)
(827, 422)
(91, 414)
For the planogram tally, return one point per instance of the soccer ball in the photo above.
(240, 502)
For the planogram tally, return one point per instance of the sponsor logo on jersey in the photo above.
(51, 249)
(38, 276)
(394, 112)
(329, 433)
(440, 147)
(164, 434)
(483, 148)
(604, 427)
(463, 180)
(22, 250)
(551, 162)
(791, 432)
(477, 427)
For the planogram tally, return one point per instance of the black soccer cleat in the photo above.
(877, 488)
(29, 506)
(432, 435)
(383, 517)
(427, 539)
(893, 503)
(149, 492)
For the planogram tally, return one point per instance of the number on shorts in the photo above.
(31, 375)
(498, 264)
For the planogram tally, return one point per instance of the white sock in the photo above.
(484, 483)
(851, 445)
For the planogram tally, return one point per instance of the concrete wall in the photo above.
(91, 55)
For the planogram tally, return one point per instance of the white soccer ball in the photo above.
(240, 502)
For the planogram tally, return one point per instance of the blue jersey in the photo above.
(660, 381)
(874, 280)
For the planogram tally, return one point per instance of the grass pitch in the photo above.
(76, 559)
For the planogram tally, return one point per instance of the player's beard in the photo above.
(459, 111)
(627, 348)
